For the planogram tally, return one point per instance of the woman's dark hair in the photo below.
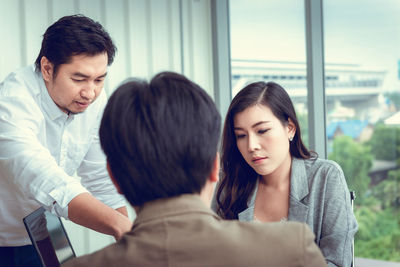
(74, 35)
(238, 178)
(160, 139)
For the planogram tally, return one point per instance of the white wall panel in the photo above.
(202, 45)
(61, 8)
(12, 55)
(197, 46)
(175, 49)
(187, 30)
(139, 38)
(36, 22)
(116, 23)
(90, 8)
(161, 30)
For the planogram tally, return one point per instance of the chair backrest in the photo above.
(352, 198)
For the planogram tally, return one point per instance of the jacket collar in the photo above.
(298, 179)
(248, 214)
(298, 190)
(169, 207)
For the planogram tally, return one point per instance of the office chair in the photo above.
(352, 198)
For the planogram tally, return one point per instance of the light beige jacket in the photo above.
(182, 231)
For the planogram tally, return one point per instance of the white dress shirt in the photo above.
(46, 157)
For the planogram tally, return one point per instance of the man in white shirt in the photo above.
(49, 147)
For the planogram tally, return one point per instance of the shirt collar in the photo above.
(48, 105)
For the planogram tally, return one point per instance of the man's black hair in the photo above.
(74, 35)
(160, 139)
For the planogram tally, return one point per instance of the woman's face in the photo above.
(262, 139)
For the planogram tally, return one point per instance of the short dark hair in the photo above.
(160, 139)
(238, 178)
(74, 35)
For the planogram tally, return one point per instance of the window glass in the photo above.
(268, 44)
(362, 78)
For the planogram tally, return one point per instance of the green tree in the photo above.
(355, 160)
(303, 122)
(388, 191)
(385, 142)
(378, 235)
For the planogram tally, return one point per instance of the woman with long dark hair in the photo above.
(268, 175)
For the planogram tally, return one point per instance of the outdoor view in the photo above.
(362, 82)
(363, 116)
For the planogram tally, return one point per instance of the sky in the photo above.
(364, 32)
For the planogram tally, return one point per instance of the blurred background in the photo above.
(339, 60)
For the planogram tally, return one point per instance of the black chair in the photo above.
(352, 198)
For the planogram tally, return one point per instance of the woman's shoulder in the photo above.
(324, 173)
(322, 165)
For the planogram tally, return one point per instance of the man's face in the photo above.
(77, 84)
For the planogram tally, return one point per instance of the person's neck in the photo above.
(207, 192)
(280, 178)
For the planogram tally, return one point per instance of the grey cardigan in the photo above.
(320, 198)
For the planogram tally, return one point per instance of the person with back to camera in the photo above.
(50, 154)
(161, 141)
(268, 175)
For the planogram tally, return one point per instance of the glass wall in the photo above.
(268, 44)
(362, 55)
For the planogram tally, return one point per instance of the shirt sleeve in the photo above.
(93, 170)
(25, 160)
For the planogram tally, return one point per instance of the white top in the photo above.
(46, 157)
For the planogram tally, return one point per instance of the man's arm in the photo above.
(87, 211)
(123, 211)
(93, 171)
(28, 164)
